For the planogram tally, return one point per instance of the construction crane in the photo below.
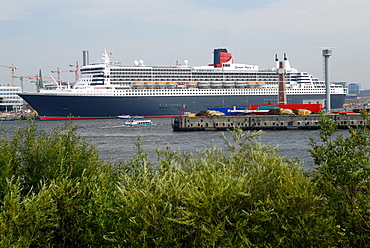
(76, 71)
(37, 79)
(23, 77)
(13, 69)
(59, 72)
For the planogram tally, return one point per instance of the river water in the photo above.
(117, 143)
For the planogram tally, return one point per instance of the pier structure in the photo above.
(262, 122)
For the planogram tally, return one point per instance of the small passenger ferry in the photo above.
(138, 122)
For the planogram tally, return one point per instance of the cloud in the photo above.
(293, 16)
(290, 16)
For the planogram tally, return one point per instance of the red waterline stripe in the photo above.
(53, 118)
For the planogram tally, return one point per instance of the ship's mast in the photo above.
(105, 57)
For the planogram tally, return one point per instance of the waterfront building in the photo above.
(9, 99)
(354, 88)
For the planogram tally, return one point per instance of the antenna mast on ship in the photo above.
(105, 57)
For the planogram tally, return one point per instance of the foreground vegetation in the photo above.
(56, 192)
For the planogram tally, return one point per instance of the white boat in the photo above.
(129, 117)
(138, 122)
(106, 89)
(123, 117)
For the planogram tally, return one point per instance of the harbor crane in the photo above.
(21, 79)
(59, 72)
(37, 79)
(13, 69)
(76, 71)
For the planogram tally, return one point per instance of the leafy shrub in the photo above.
(343, 178)
(36, 157)
(54, 189)
(26, 221)
(248, 196)
(56, 192)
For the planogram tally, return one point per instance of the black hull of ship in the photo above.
(59, 106)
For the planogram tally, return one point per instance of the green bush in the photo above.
(343, 178)
(26, 221)
(56, 192)
(248, 196)
(36, 157)
(58, 176)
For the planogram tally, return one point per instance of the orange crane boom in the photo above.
(13, 69)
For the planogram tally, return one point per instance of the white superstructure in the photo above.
(111, 78)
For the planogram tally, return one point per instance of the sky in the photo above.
(53, 34)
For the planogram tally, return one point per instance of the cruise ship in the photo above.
(106, 89)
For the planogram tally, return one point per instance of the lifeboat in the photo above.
(260, 83)
(250, 84)
(171, 85)
(160, 85)
(240, 84)
(215, 85)
(138, 84)
(149, 84)
(191, 84)
(229, 84)
(204, 85)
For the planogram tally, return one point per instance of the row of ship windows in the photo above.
(89, 70)
(204, 91)
(150, 69)
(8, 94)
(194, 78)
(175, 70)
(11, 97)
(204, 75)
(268, 83)
(11, 90)
(141, 73)
(129, 80)
(194, 74)
(194, 93)
(172, 91)
(5, 101)
(235, 91)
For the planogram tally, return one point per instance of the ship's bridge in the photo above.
(230, 66)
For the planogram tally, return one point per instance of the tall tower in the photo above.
(326, 53)
(281, 69)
